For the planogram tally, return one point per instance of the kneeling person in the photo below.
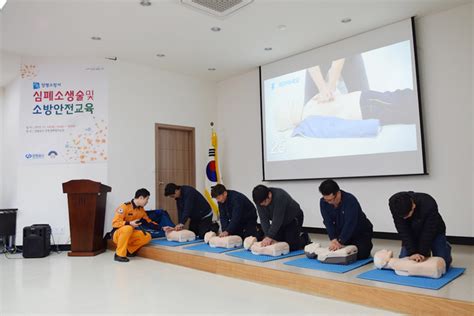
(237, 214)
(129, 216)
(192, 207)
(285, 214)
(420, 226)
(344, 219)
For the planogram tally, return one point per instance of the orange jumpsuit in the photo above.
(124, 235)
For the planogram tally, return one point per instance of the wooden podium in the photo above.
(86, 202)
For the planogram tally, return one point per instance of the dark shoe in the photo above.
(134, 254)
(305, 237)
(120, 259)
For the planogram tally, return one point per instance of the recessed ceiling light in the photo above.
(96, 38)
(211, 69)
(160, 55)
(215, 29)
(2, 3)
(145, 3)
(267, 48)
(281, 27)
(346, 20)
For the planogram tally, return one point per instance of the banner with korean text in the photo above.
(63, 114)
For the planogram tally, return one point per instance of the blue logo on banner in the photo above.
(36, 85)
(34, 156)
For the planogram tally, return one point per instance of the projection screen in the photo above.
(347, 109)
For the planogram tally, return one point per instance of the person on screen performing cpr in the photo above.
(344, 75)
(349, 76)
(340, 104)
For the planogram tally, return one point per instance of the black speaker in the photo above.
(7, 229)
(36, 241)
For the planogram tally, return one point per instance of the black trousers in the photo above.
(201, 226)
(291, 233)
(363, 243)
(247, 229)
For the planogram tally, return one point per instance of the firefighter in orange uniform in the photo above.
(128, 217)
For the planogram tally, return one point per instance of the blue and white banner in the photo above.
(63, 114)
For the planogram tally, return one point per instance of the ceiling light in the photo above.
(215, 29)
(281, 27)
(211, 69)
(145, 3)
(267, 48)
(160, 55)
(346, 20)
(96, 38)
(2, 3)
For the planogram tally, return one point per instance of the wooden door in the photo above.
(175, 162)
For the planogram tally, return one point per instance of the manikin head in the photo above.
(382, 257)
(208, 236)
(249, 241)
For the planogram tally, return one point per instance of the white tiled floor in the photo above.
(98, 285)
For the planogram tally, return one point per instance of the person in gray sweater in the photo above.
(280, 216)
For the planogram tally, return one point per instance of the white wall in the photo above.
(445, 62)
(11, 103)
(139, 97)
(2, 93)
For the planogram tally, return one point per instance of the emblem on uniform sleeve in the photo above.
(120, 211)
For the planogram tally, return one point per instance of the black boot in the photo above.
(120, 259)
(134, 254)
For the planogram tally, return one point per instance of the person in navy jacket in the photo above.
(345, 222)
(192, 207)
(420, 226)
(237, 213)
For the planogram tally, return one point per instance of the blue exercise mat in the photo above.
(247, 255)
(314, 264)
(389, 276)
(164, 242)
(206, 248)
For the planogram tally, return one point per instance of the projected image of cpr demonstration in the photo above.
(357, 105)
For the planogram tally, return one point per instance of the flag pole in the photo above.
(215, 145)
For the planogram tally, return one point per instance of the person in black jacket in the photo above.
(237, 214)
(285, 214)
(420, 226)
(192, 207)
(344, 219)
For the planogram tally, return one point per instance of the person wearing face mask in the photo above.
(345, 222)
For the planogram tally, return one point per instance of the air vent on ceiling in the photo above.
(220, 8)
